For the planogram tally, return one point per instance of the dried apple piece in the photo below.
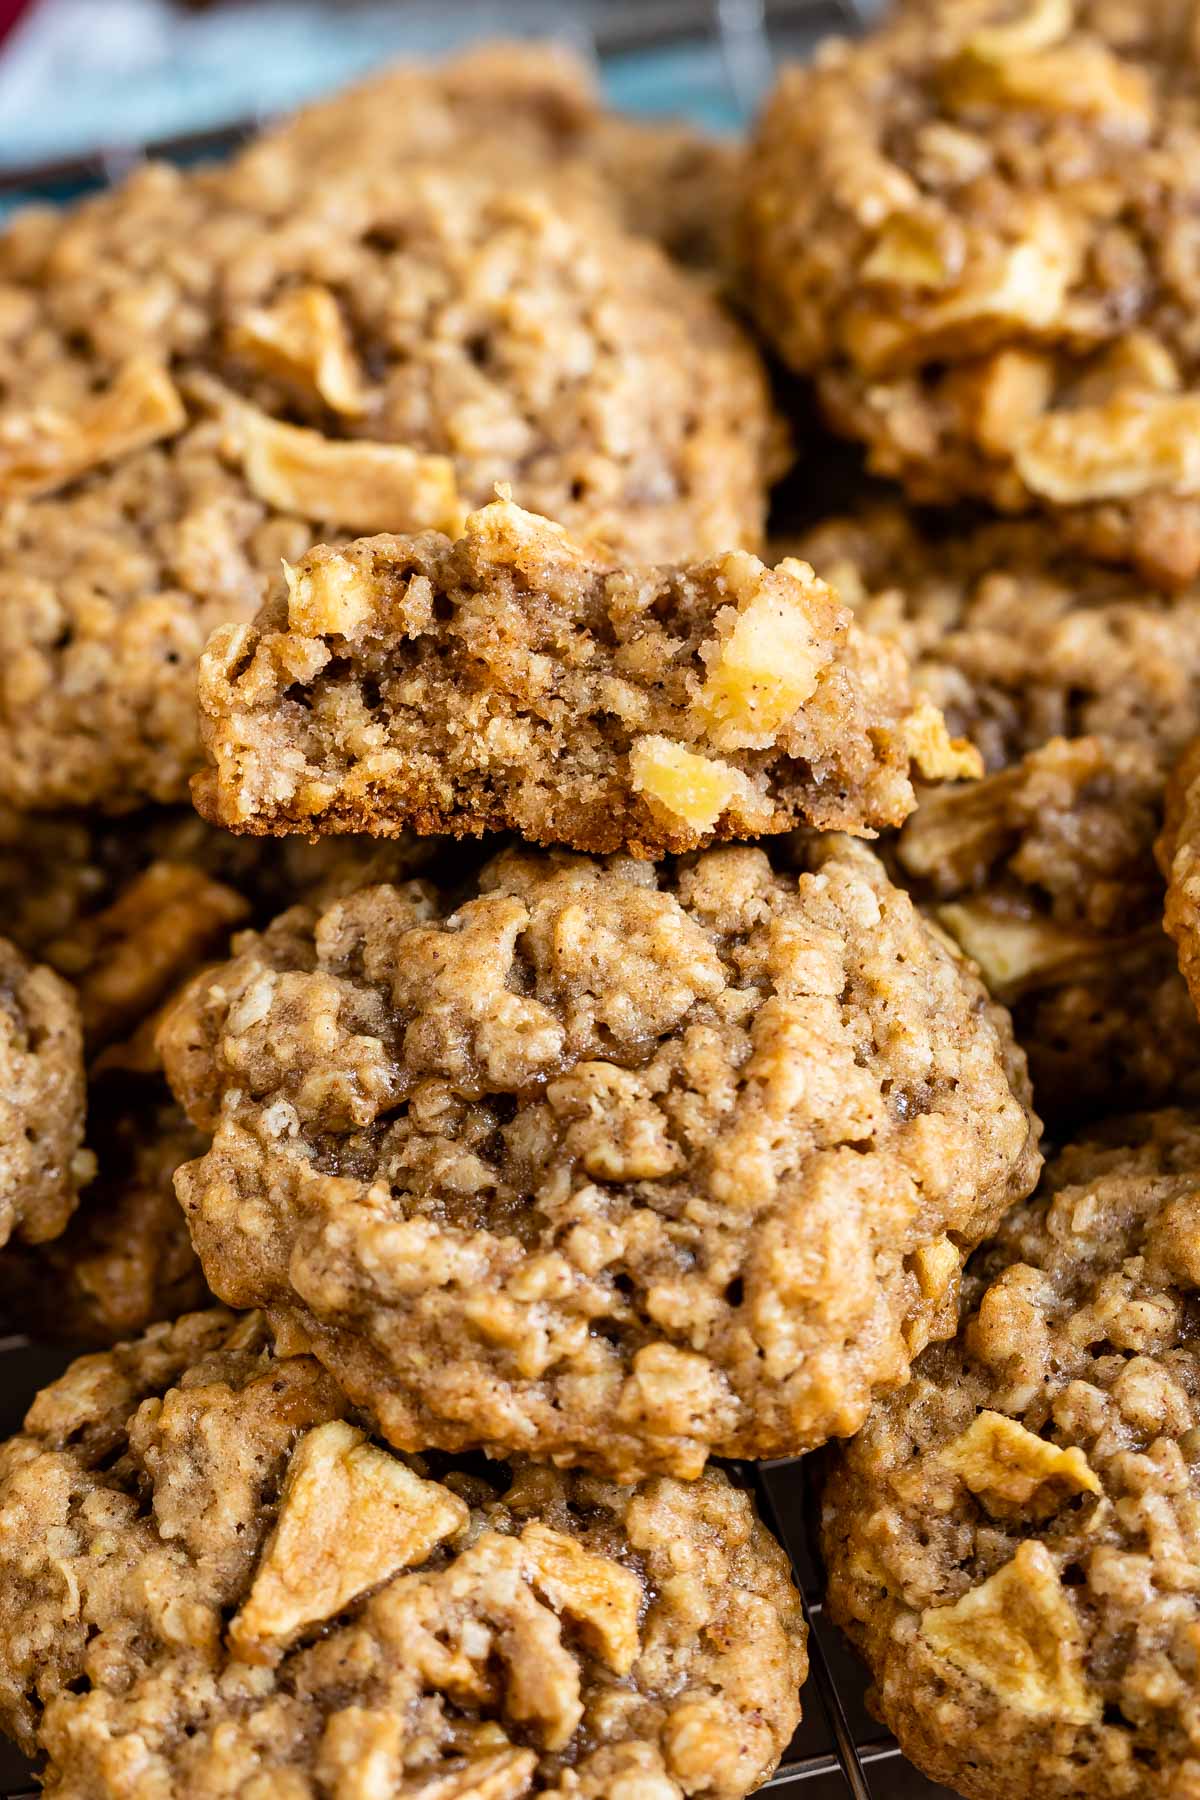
(45, 447)
(1018, 1635)
(768, 657)
(1012, 1470)
(956, 834)
(1009, 391)
(506, 1776)
(1039, 27)
(1020, 287)
(914, 250)
(599, 1594)
(1132, 444)
(350, 1516)
(301, 339)
(1016, 952)
(1082, 78)
(124, 959)
(696, 789)
(938, 756)
(354, 484)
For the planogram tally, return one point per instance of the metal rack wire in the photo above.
(838, 1750)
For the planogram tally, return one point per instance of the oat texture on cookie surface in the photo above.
(267, 1601)
(1080, 684)
(975, 229)
(1012, 1540)
(516, 679)
(618, 1164)
(202, 373)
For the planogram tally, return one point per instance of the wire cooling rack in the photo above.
(734, 45)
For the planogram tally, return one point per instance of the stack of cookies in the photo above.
(989, 272)
(513, 989)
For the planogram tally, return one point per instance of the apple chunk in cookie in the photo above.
(1011, 1541)
(265, 1601)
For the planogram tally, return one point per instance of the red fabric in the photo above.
(10, 12)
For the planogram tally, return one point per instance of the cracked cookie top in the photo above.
(516, 680)
(976, 228)
(264, 1601)
(1012, 1541)
(616, 1164)
(42, 1100)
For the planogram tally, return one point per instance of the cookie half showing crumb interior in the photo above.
(1081, 685)
(1011, 1540)
(43, 1163)
(974, 228)
(515, 680)
(265, 1600)
(619, 1165)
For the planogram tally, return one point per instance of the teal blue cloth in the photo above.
(245, 71)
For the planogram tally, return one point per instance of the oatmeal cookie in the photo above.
(535, 105)
(514, 680)
(615, 1164)
(1080, 687)
(42, 1100)
(193, 387)
(1044, 873)
(125, 1259)
(1015, 637)
(976, 228)
(264, 1601)
(1011, 1541)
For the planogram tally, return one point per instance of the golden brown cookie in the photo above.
(516, 680)
(536, 106)
(265, 1601)
(42, 1100)
(198, 379)
(1011, 1541)
(976, 229)
(1080, 685)
(619, 1165)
